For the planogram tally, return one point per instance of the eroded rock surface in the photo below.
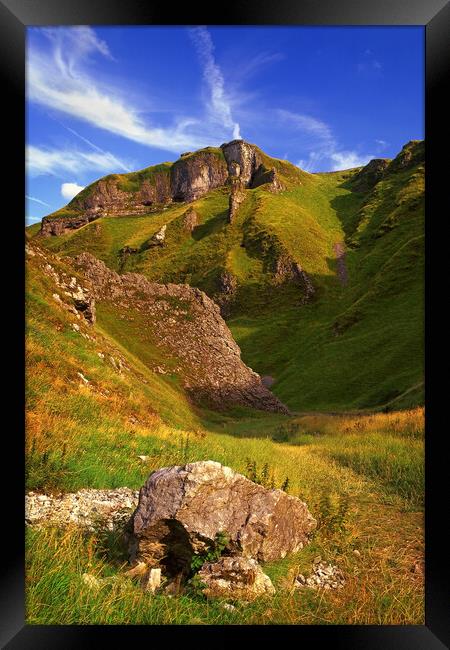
(190, 219)
(226, 292)
(245, 155)
(285, 269)
(188, 326)
(194, 175)
(369, 175)
(182, 509)
(239, 578)
(91, 509)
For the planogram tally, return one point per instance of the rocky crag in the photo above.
(188, 326)
(192, 176)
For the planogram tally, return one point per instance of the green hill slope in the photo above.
(358, 343)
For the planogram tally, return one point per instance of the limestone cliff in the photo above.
(192, 176)
(186, 325)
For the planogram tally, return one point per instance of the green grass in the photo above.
(357, 347)
(314, 351)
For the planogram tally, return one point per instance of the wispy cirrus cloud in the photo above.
(219, 106)
(319, 139)
(58, 162)
(36, 200)
(58, 78)
(370, 64)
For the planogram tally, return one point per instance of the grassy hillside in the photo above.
(355, 345)
(362, 478)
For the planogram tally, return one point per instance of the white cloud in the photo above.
(33, 198)
(324, 150)
(219, 104)
(69, 190)
(348, 159)
(58, 162)
(308, 124)
(381, 145)
(58, 78)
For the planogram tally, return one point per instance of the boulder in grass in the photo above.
(182, 509)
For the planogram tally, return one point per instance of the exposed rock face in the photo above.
(188, 326)
(158, 193)
(59, 226)
(195, 175)
(189, 178)
(227, 290)
(369, 175)
(411, 154)
(158, 238)
(239, 578)
(245, 155)
(183, 508)
(91, 509)
(285, 269)
(190, 220)
(237, 196)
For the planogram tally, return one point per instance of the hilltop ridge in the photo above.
(312, 272)
(192, 176)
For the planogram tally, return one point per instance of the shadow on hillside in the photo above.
(347, 208)
(212, 225)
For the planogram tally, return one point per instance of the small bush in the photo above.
(211, 554)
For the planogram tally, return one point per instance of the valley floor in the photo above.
(366, 496)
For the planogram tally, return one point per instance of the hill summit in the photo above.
(192, 176)
(319, 276)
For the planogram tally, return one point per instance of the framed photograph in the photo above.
(224, 299)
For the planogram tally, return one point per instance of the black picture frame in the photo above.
(15, 16)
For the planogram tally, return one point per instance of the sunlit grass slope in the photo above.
(358, 345)
(362, 479)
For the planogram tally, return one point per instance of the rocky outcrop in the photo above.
(190, 220)
(157, 192)
(285, 269)
(227, 287)
(158, 238)
(188, 326)
(56, 226)
(238, 578)
(370, 175)
(190, 177)
(413, 153)
(269, 178)
(194, 175)
(246, 156)
(182, 509)
(91, 509)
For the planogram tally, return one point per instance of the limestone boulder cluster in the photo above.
(188, 327)
(200, 500)
(176, 518)
(90, 509)
(239, 578)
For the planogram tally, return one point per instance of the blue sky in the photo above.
(116, 99)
